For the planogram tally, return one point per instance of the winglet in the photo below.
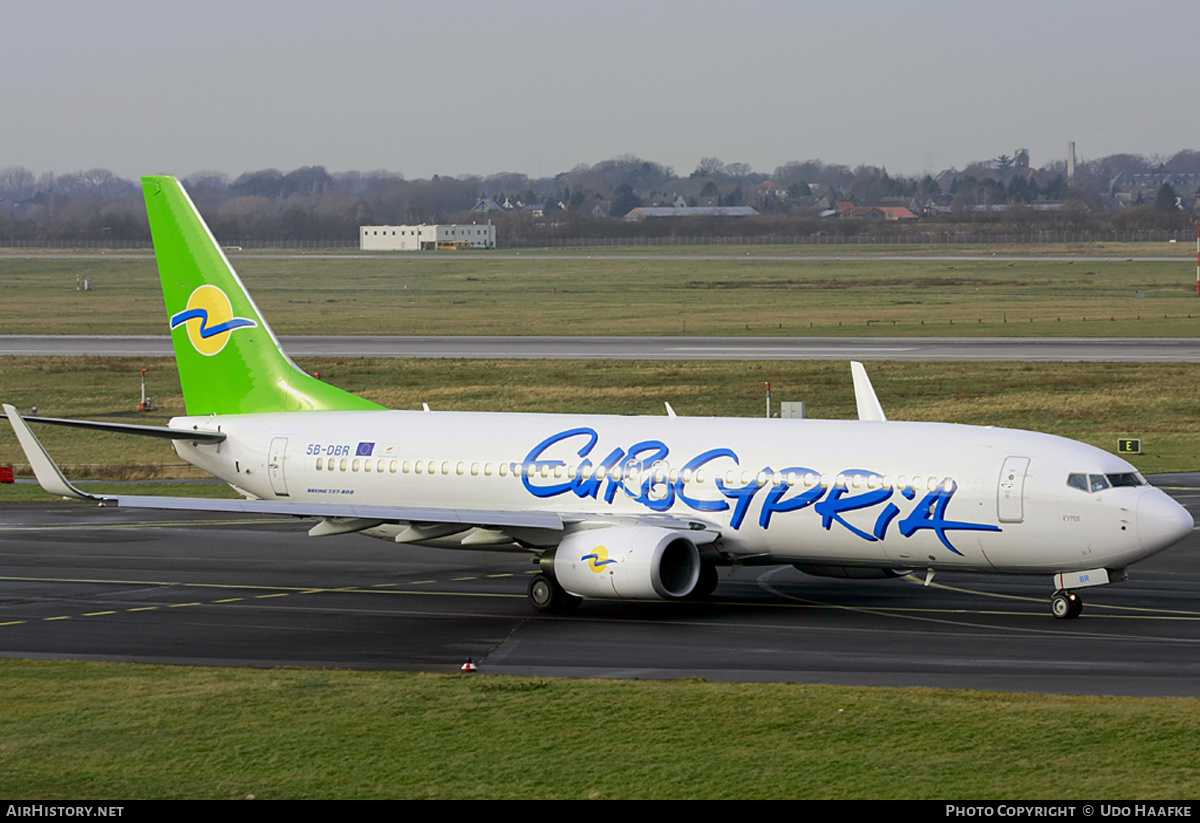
(44, 468)
(864, 395)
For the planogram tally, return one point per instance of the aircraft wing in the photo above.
(340, 518)
(381, 514)
(534, 526)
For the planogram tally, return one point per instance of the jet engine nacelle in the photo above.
(628, 562)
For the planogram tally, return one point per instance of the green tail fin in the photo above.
(229, 360)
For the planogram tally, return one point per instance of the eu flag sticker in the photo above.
(364, 449)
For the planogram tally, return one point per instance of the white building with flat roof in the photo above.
(427, 238)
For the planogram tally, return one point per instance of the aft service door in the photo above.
(275, 459)
(1010, 495)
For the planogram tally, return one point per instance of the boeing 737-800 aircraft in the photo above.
(622, 507)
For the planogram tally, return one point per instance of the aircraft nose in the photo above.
(1161, 521)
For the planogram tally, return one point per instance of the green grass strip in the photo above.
(98, 730)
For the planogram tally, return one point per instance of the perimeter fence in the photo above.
(902, 238)
(869, 238)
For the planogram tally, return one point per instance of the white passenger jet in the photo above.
(622, 507)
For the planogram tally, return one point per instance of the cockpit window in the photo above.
(1127, 479)
(1100, 482)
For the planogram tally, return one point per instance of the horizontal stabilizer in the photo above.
(132, 428)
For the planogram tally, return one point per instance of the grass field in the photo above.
(100, 730)
(644, 294)
(1092, 402)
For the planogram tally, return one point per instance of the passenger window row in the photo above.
(656, 474)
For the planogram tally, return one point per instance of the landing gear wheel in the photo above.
(546, 596)
(1066, 605)
(1076, 606)
(707, 583)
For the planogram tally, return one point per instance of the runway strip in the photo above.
(1092, 349)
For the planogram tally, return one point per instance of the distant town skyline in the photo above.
(536, 87)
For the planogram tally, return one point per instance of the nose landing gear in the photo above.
(1065, 604)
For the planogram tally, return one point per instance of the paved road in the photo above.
(1097, 349)
(86, 583)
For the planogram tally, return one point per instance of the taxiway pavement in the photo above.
(82, 582)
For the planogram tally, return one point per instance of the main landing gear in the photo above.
(1065, 604)
(707, 584)
(546, 596)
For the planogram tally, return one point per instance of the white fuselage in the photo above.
(845, 493)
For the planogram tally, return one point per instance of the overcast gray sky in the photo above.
(537, 87)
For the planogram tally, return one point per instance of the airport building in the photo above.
(426, 238)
